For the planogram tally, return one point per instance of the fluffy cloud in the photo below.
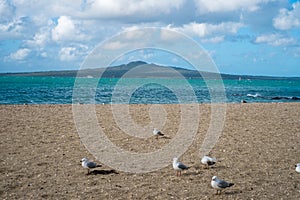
(39, 39)
(13, 29)
(216, 39)
(275, 40)
(6, 11)
(288, 19)
(114, 45)
(67, 54)
(67, 30)
(205, 6)
(73, 53)
(21, 54)
(205, 29)
(167, 34)
(121, 8)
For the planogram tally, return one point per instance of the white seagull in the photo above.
(208, 161)
(157, 133)
(178, 166)
(297, 167)
(219, 184)
(88, 164)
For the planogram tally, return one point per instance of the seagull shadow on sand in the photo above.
(193, 173)
(217, 167)
(103, 172)
(232, 192)
(164, 137)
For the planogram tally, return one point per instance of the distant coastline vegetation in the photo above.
(147, 71)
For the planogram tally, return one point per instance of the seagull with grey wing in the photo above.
(297, 167)
(178, 166)
(219, 184)
(208, 161)
(88, 164)
(157, 133)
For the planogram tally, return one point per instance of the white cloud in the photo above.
(46, 9)
(288, 19)
(44, 54)
(114, 45)
(39, 39)
(73, 53)
(21, 54)
(205, 29)
(67, 30)
(121, 8)
(275, 40)
(12, 29)
(134, 32)
(67, 54)
(167, 34)
(216, 39)
(6, 11)
(205, 6)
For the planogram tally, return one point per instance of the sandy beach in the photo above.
(41, 152)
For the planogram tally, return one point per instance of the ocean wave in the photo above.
(291, 98)
(285, 98)
(254, 95)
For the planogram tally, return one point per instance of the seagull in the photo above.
(297, 167)
(157, 133)
(219, 184)
(208, 161)
(88, 164)
(178, 166)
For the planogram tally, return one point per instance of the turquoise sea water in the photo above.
(61, 90)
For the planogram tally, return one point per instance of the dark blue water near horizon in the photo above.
(60, 90)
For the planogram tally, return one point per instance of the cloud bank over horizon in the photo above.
(258, 37)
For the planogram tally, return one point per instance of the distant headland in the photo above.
(145, 71)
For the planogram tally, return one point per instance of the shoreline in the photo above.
(99, 104)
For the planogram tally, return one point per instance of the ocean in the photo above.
(60, 90)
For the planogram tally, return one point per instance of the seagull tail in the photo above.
(211, 163)
(230, 184)
(98, 165)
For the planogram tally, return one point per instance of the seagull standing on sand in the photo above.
(297, 167)
(219, 184)
(178, 166)
(88, 164)
(208, 161)
(157, 133)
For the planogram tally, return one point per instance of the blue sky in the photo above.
(256, 37)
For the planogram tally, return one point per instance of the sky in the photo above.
(251, 37)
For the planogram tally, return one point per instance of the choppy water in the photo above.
(60, 90)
